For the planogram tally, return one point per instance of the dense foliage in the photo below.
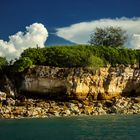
(77, 56)
(73, 56)
(109, 36)
(23, 63)
(3, 63)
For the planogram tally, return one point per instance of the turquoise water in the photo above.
(72, 128)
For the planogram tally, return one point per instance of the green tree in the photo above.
(109, 36)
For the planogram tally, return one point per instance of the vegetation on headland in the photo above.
(75, 56)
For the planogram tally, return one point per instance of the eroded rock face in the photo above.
(44, 81)
(7, 86)
(43, 85)
(82, 83)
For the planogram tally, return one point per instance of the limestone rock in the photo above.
(81, 91)
(81, 83)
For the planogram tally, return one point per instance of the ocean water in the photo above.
(109, 127)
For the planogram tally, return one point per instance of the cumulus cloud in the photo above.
(35, 35)
(80, 32)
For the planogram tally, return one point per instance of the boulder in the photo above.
(2, 96)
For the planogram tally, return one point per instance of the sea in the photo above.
(108, 127)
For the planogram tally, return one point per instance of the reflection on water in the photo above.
(73, 128)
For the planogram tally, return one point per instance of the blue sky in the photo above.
(16, 14)
(63, 21)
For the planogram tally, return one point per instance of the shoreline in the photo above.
(42, 108)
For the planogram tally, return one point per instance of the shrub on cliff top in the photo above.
(21, 64)
(36, 55)
(95, 62)
(67, 57)
(115, 56)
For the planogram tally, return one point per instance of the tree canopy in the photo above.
(109, 36)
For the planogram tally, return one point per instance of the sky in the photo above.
(25, 23)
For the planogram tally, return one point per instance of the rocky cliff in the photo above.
(80, 83)
(62, 84)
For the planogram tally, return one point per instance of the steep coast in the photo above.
(81, 83)
(43, 91)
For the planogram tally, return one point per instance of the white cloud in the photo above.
(135, 41)
(80, 32)
(35, 34)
